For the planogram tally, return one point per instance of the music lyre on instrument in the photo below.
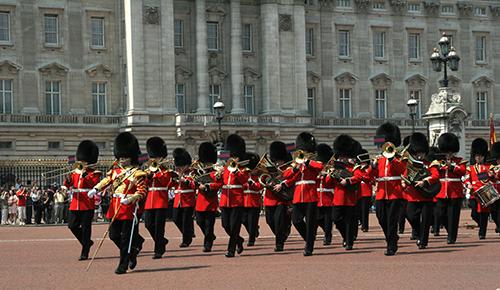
(272, 175)
(417, 171)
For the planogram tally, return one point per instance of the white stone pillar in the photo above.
(300, 59)
(201, 58)
(236, 75)
(135, 62)
(167, 57)
(270, 59)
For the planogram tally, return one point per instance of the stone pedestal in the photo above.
(446, 114)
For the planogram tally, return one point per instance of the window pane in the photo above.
(343, 3)
(50, 25)
(95, 106)
(178, 32)
(212, 35)
(344, 43)
(379, 44)
(414, 46)
(310, 41)
(246, 37)
(97, 29)
(4, 26)
(310, 102)
(7, 85)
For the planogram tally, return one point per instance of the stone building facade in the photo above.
(71, 70)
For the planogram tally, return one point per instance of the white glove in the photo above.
(92, 193)
(124, 201)
(467, 195)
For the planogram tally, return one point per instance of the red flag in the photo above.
(493, 137)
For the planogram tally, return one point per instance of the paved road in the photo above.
(46, 257)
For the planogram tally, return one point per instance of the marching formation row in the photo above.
(320, 184)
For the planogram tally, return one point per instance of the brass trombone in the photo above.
(232, 164)
(301, 156)
(78, 167)
(153, 164)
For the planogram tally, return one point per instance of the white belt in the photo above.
(450, 179)
(232, 186)
(305, 182)
(120, 195)
(81, 190)
(251, 191)
(184, 191)
(389, 178)
(158, 188)
(498, 182)
(325, 190)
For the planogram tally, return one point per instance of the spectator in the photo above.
(29, 203)
(21, 204)
(59, 199)
(12, 202)
(36, 196)
(48, 205)
(4, 201)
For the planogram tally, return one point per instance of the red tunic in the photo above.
(343, 195)
(325, 191)
(414, 195)
(185, 193)
(80, 186)
(305, 182)
(21, 197)
(388, 177)
(158, 186)
(451, 183)
(208, 200)
(474, 180)
(271, 199)
(252, 193)
(232, 188)
(366, 185)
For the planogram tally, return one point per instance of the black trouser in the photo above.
(387, 214)
(402, 216)
(304, 218)
(231, 222)
(495, 214)
(119, 233)
(183, 219)
(420, 218)
(363, 211)
(440, 219)
(325, 214)
(279, 221)
(48, 214)
(80, 224)
(483, 223)
(206, 222)
(344, 218)
(29, 214)
(450, 207)
(250, 220)
(473, 210)
(38, 212)
(154, 219)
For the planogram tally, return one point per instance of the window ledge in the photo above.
(52, 46)
(345, 58)
(98, 48)
(179, 50)
(415, 61)
(311, 57)
(380, 60)
(6, 43)
(482, 63)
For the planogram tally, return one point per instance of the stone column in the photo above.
(300, 59)
(270, 58)
(167, 57)
(236, 75)
(135, 62)
(201, 58)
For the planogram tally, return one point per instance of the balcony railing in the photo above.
(59, 119)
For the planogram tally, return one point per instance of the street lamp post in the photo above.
(219, 115)
(447, 57)
(412, 105)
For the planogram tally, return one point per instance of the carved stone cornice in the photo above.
(465, 8)
(217, 75)
(346, 79)
(495, 11)
(482, 82)
(151, 15)
(313, 77)
(182, 73)
(10, 67)
(285, 22)
(398, 6)
(432, 7)
(381, 80)
(99, 69)
(362, 5)
(250, 75)
(54, 69)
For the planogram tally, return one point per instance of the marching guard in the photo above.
(420, 205)
(477, 177)
(252, 191)
(80, 181)
(387, 170)
(207, 201)
(303, 174)
(276, 204)
(128, 186)
(365, 190)
(495, 175)
(159, 181)
(451, 171)
(184, 200)
(325, 194)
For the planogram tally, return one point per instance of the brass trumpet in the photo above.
(301, 156)
(233, 164)
(153, 164)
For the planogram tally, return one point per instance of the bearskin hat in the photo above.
(181, 157)
(448, 142)
(364, 154)
(253, 160)
(357, 147)
(278, 152)
(156, 147)
(418, 143)
(479, 147)
(325, 152)
(236, 146)
(87, 151)
(305, 141)
(207, 153)
(495, 151)
(391, 133)
(432, 154)
(406, 140)
(127, 146)
(343, 146)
